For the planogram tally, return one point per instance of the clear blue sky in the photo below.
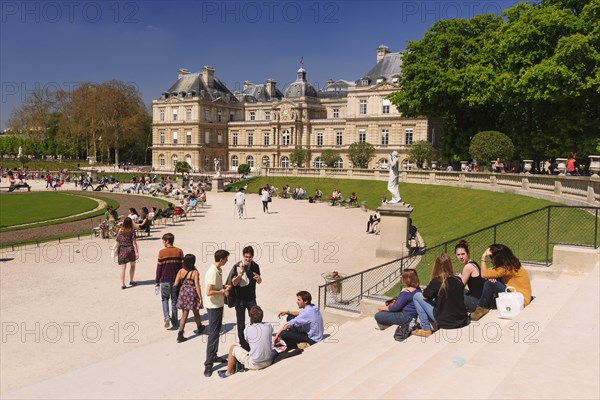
(61, 43)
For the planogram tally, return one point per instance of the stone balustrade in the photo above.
(570, 190)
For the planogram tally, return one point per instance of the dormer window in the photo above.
(395, 80)
(365, 81)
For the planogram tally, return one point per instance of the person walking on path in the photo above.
(215, 301)
(240, 202)
(190, 295)
(169, 263)
(127, 251)
(245, 277)
(265, 197)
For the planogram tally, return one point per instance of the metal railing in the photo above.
(531, 236)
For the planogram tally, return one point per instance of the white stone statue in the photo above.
(393, 179)
(217, 167)
(20, 152)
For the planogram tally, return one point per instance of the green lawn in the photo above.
(21, 208)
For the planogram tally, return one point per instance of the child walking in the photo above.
(190, 295)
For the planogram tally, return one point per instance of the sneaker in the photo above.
(479, 313)
(303, 345)
(381, 327)
(167, 323)
(223, 374)
(421, 333)
(208, 372)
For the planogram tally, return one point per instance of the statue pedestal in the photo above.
(393, 230)
(217, 184)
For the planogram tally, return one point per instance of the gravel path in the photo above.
(85, 225)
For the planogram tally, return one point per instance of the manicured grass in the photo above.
(22, 208)
(44, 165)
(440, 213)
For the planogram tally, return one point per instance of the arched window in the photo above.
(234, 161)
(250, 161)
(338, 164)
(383, 163)
(266, 161)
(285, 162)
(318, 162)
(174, 160)
(161, 160)
(188, 159)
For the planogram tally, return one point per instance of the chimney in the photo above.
(208, 76)
(246, 85)
(382, 50)
(181, 72)
(329, 81)
(271, 88)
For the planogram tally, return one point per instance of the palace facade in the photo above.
(199, 119)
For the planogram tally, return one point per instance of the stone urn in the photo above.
(527, 164)
(434, 165)
(463, 165)
(561, 165)
(594, 166)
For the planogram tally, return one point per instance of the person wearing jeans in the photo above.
(402, 310)
(245, 277)
(425, 311)
(170, 261)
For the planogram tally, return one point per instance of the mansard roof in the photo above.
(191, 85)
(336, 89)
(388, 68)
(253, 93)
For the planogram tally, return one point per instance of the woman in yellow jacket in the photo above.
(506, 271)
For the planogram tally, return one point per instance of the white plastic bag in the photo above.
(510, 304)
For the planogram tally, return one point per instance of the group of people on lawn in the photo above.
(448, 298)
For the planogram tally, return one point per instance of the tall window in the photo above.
(385, 136)
(319, 138)
(188, 114)
(161, 160)
(161, 135)
(161, 114)
(207, 163)
(363, 107)
(207, 137)
(285, 162)
(336, 113)
(285, 138)
(266, 161)
(219, 116)
(250, 161)
(175, 112)
(338, 164)
(231, 116)
(318, 162)
(408, 136)
(362, 136)
(338, 138)
(234, 138)
(188, 137)
(234, 161)
(267, 115)
(207, 114)
(174, 160)
(252, 115)
(220, 137)
(250, 138)
(175, 137)
(386, 106)
(188, 159)
(266, 137)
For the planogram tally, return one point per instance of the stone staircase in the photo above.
(551, 350)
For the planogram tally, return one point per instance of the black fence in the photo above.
(531, 236)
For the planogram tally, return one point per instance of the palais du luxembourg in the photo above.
(199, 119)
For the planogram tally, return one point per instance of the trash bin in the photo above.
(363, 206)
(334, 285)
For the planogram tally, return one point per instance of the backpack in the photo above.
(403, 331)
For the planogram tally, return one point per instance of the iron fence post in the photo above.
(596, 230)
(548, 237)
(361, 285)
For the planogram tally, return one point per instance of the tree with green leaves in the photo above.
(329, 157)
(24, 160)
(360, 153)
(182, 167)
(532, 73)
(297, 157)
(421, 151)
(490, 145)
(244, 169)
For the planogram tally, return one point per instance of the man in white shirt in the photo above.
(214, 301)
(240, 201)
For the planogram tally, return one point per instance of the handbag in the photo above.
(178, 287)
(403, 331)
(270, 199)
(510, 304)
